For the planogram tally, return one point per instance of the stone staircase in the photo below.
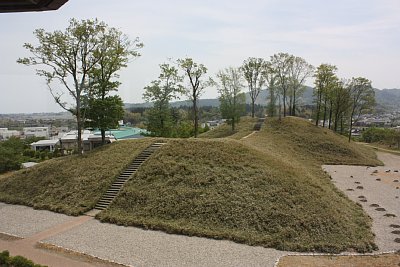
(258, 124)
(114, 189)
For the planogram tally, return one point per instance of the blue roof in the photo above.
(125, 132)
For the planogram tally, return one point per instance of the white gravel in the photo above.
(138, 247)
(360, 182)
(22, 221)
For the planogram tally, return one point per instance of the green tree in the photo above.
(253, 70)
(232, 100)
(194, 72)
(299, 71)
(104, 113)
(114, 53)
(161, 92)
(341, 103)
(325, 81)
(280, 64)
(69, 58)
(362, 97)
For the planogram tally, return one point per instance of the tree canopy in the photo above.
(85, 56)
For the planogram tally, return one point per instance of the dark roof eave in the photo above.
(28, 6)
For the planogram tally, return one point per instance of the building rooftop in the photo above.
(126, 133)
(45, 143)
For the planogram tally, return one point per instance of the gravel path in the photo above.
(138, 247)
(377, 189)
(22, 221)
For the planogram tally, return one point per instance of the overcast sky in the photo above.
(360, 37)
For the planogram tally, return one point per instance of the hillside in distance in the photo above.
(387, 100)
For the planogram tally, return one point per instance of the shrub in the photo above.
(43, 155)
(4, 257)
(8, 160)
(29, 153)
(18, 261)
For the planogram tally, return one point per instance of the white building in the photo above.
(6, 134)
(36, 132)
(42, 145)
(89, 140)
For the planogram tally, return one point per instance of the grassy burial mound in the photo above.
(297, 139)
(72, 184)
(226, 189)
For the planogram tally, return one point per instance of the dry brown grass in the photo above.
(72, 184)
(226, 189)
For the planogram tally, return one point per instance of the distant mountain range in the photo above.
(387, 100)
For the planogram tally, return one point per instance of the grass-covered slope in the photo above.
(299, 140)
(227, 189)
(268, 189)
(72, 184)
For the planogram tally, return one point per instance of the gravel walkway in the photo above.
(138, 247)
(22, 221)
(377, 189)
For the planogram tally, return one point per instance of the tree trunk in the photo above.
(319, 100)
(252, 108)
(284, 103)
(79, 124)
(341, 125)
(323, 124)
(330, 115)
(280, 108)
(294, 103)
(233, 123)
(103, 136)
(103, 131)
(351, 127)
(196, 119)
(336, 121)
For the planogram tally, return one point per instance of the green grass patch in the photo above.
(72, 184)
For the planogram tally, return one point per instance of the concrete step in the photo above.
(105, 203)
(110, 198)
(100, 206)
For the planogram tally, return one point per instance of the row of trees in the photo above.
(340, 102)
(284, 75)
(169, 85)
(86, 57)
